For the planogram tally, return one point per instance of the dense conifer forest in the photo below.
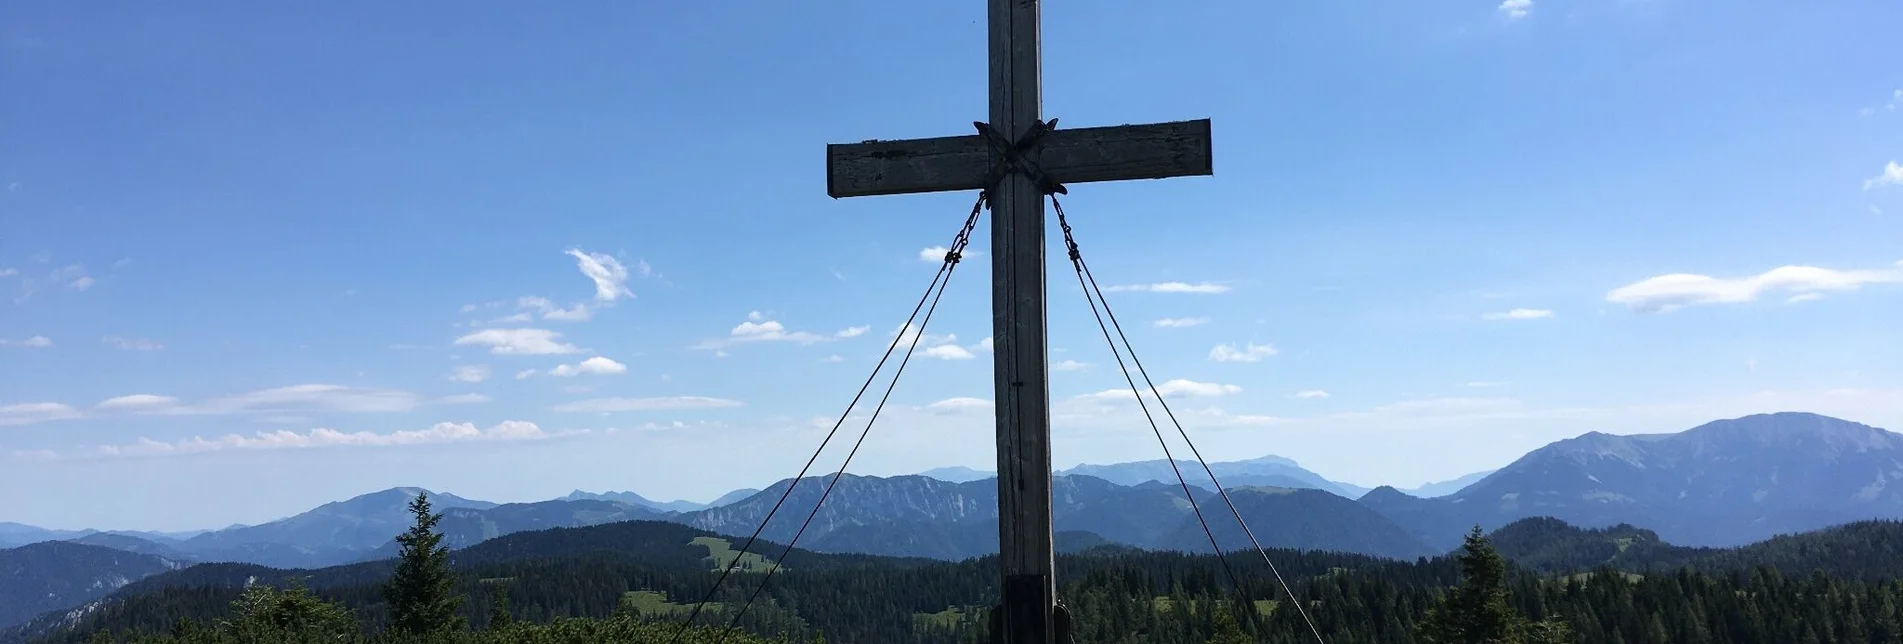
(635, 582)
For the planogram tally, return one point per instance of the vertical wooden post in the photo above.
(1018, 330)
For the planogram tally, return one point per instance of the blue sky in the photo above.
(259, 258)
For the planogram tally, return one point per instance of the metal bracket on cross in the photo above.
(1008, 157)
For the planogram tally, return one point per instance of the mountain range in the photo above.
(1724, 483)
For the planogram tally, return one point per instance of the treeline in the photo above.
(575, 585)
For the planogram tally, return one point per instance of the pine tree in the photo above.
(1227, 631)
(499, 615)
(1476, 610)
(422, 592)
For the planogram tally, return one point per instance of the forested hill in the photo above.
(653, 570)
(1870, 550)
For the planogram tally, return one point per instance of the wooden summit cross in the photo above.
(1019, 159)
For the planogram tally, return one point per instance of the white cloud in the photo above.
(470, 373)
(1516, 9)
(524, 374)
(1178, 388)
(759, 329)
(1896, 100)
(598, 366)
(1519, 314)
(948, 352)
(1669, 292)
(941, 347)
(1171, 287)
(833, 358)
(518, 341)
(1892, 175)
(35, 342)
(936, 254)
(549, 311)
(852, 332)
(462, 399)
(610, 277)
(295, 398)
(1804, 297)
(960, 404)
(73, 277)
(508, 430)
(1250, 353)
(907, 333)
(1311, 394)
(1070, 365)
(619, 404)
(26, 413)
(140, 403)
(132, 344)
(312, 397)
(1179, 323)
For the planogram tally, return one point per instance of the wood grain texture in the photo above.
(1083, 155)
(1019, 356)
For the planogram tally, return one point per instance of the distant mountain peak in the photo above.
(1272, 459)
(1797, 428)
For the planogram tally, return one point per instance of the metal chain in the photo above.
(952, 258)
(1083, 275)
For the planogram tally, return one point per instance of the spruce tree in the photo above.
(499, 615)
(1475, 611)
(1226, 630)
(422, 591)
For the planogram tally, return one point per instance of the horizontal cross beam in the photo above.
(1082, 155)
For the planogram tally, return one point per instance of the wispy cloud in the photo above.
(1519, 314)
(619, 404)
(1069, 365)
(295, 398)
(1178, 388)
(1516, 9)
(550, 311)
(1670, 292)
(1311, 394)
(1251, 352)
(852, 332)
(518, 342)
(959, 405)
(610, 277)
(470, 373)
(35, 342)
(508, 430)
(140, 403)
(1171, 287)
(1179, 323)
(36, 412)
(131, 344)
(1896, 100)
